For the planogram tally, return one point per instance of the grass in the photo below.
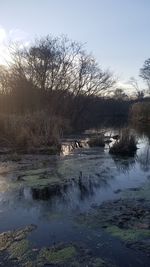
(140, 112)
(31, 130)
(126, 145)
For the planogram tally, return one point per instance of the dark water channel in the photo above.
(95, 176)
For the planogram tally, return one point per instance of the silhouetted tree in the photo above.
(119, 94)
(145, 72)
(4, 80)
(60, 64)
(138, 92)
(57, 75)
(61, 72)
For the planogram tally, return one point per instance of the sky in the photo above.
(117, 32)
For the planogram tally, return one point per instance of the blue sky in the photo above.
(117, 32)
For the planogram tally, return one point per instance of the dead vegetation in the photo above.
(126, 145)
(31, 130)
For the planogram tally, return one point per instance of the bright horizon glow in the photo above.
(7, 38)
(115, 31)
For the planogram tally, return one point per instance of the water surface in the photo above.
(95, 177)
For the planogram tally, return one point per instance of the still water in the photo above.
(95, 177)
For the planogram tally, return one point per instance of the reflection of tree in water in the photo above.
(124, 164)
(142, 130)
(87, 186)
(144, 158)
(83, 187)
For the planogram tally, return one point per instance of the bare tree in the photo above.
(145, 73)
(61, 64)
(61, 71)
(119, 94)
(138, 92)
(4, 80)
(56, 75)
(90, 78)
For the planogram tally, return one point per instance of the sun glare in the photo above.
(2, 35)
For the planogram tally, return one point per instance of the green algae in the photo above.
(128, 235)
(37, 181)
(19, 250)
(15, 246)
(58, 256)
(31, 264)
(23, 253)
(126, 219)
(141, 193)
(41, 178)
(93, 262)
(71, 256)
(54, 216)
(7, 238)
(98, 262)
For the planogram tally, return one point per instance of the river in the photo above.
(94, 177)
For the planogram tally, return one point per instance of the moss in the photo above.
(128, 235)
(58, 256)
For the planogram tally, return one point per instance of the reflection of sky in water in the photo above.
(100, 174)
